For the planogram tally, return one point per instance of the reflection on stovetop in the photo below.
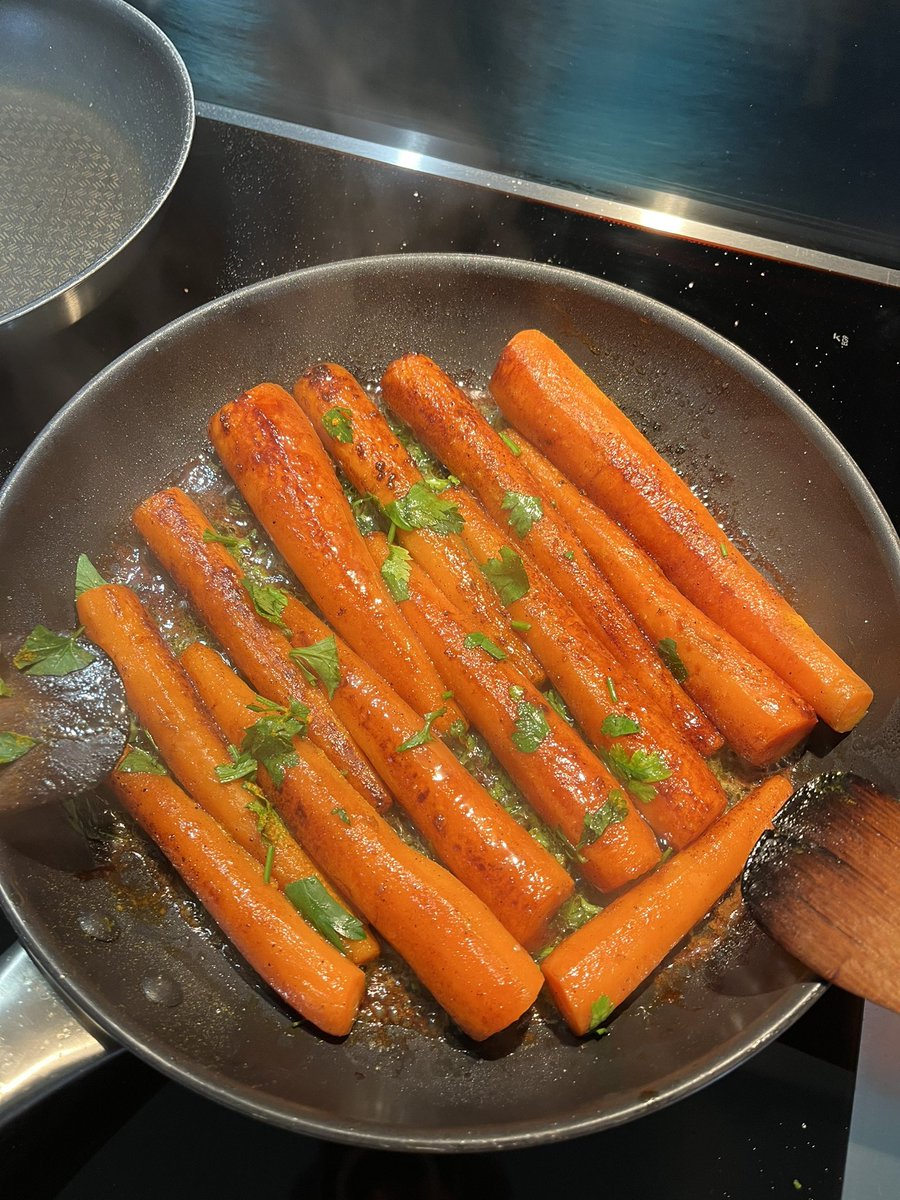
(251, 206)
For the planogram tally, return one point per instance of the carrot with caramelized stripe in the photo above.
(173, 527)
(758, 714)
(162, 697)
(271, 451)
(601, 964)
(543, 393)
(444, 417)
(377, 464)
(456, 947)
(314, 978)
(683, 803)
(554, 769)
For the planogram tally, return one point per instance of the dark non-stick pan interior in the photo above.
(163, 984)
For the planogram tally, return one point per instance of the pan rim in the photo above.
(241, 1097)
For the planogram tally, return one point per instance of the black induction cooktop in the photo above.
(251, 205)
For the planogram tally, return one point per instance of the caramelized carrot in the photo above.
(605, 960)
(478, 841)
(161, 696)
(554, 769)
(444, 417)
(597, 692)
(271, 451)
(310, 975)
(174, 527)
(377, 464)
(458, 949)
(543, 393)
(758, 714)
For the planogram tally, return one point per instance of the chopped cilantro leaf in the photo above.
(268, 600)
(341, 815)
(523, 511)
(240, 767)
(270, 739)
(668, 652)
(600, 1010)
(481, 641)
(507, 575)
(395, 572)
(420, 508)
(521, 626)
(320, 659)
(140, 762)
(616, 725)
(230, 541)
(577, 912)
(530, 728)
(338, 424)
(638, 771)
(323, 912)
(613, 810)
(556, 702)
(510, 444)
(14, 745)
(424, 734)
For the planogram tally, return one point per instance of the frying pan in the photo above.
(169, 989)
(96, 119)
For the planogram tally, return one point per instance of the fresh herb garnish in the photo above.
(395, 572)
(544, 952)
(320, 660)
(420, 508)
(323, 912)
(481, 641)
(241, 766)
(523, 510)
(270, 858)
(577, 912)
(510, 444)
(270, 739)
(268, 600)
(668, 652)
(5, 689)
(569, 554)
(338, 424)
(521, 626)
(723, 549)
(440, 483)
(14, 745)
(229, 540)
(611, 689)
(638, 771)
(613, 810)
(46, 653)
(556, 702)
(516, 691)
(342, 815)
(447, 695)
(424, 734)
(140, 762)
(507, 575)
(600, 1010)
(86, 576)
(530, 728)
(457, 728)
(616, 725)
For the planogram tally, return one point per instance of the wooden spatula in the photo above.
(825, 883)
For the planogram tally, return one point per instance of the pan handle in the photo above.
(42, 1043)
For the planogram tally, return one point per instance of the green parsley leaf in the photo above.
(544, 952)
(668, 652)
(86, 576)
(268, 600)
(616, 725)
(424, 734)
(270, 739)
(338, 424)
(523, 511)
(577, 912)
(395, 572)
(5, 689)
(510, 444)
(600, 1010)
(520, 626)
(439, 483)
(613, 810)
(14, 745)
(507, 575)
(556, 702)
(481, 641)
(638, 771)
(457, 729)
(569, 554)
(46, 653)
(447, 695)
(342, 815)
(140, 762)
(324, 913)
(530, 728)
(270, 859)
(723, 549)
(516, 692)
(320, 659)
(229, 540)
(420, 508)
(611, 688)
(240, 767)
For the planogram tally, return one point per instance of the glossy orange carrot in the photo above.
(174, 527)
(444, 417)
(310, 975)
(553, 768)
(758, 714)
(458, 949)
(271, 451)
(599, 694)
(477, 840)
(543, 393)
(162, 697)
(604, 961)
(377, 464)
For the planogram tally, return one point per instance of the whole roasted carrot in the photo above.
(444, 417)
(477, 840)
(271, 451)
(162, 697)
(458, 949)
(310, 975)
(603, 962)
(592, 441)
(357, 436)
(177, 532)
(680, 796)
(554, 769)
(758, 714)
